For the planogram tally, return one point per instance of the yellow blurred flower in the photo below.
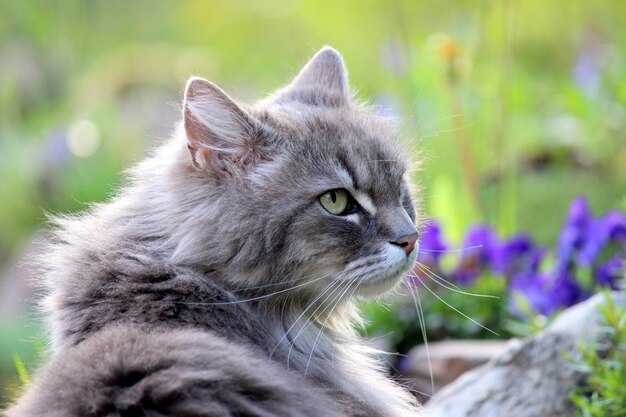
(448, 49)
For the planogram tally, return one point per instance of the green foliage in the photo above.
(478, 311)
(20, 368)
(605, 392)
(21, 350)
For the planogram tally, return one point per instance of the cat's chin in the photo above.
(376, 285)
(376, 288)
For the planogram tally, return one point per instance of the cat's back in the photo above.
(130, 286)
(127, 371)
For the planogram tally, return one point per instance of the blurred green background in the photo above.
(513, 107)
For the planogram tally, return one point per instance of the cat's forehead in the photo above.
(347, 142)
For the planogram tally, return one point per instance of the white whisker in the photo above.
(436, 278)
(254, 298)
(459, 312)
(422, 321)
(324, 304)
(454, 129)
(451, 250)
(317, 297)
(319, 333)
(332, 353)
(273, 284)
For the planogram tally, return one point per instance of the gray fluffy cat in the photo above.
(222, 281)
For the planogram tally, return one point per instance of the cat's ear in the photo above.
(218, 131)
(324, 75)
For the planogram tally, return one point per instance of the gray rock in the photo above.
(446, 360)
(532, 377)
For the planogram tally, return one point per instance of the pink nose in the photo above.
(407, 242)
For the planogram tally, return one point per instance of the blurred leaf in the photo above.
(20, 368)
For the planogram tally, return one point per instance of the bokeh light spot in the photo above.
(83, 138)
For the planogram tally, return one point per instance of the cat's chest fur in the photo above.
(133, 289)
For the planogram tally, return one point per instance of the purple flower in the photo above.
(587, 69)
(513, 255)
(548, 293)
(564, 292)
(431, 247)
(479, 248)
(574, 232)
(57, 152)
(614, 225)
(529, 281)
(610, 228)
(545, 293)
(532, 286)
(394, 57)
(607, 274)
(583, 242)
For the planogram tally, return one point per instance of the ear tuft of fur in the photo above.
(218, 131)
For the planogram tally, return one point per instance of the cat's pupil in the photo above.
(333, 196)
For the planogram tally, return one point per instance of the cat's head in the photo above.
(306, 187)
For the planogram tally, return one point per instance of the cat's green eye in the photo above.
(337, 202)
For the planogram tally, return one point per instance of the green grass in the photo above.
(604, 394)
(22, 348)
(20, 368)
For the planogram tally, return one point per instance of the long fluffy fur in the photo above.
(196, 293)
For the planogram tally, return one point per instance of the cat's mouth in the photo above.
(384, 273)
